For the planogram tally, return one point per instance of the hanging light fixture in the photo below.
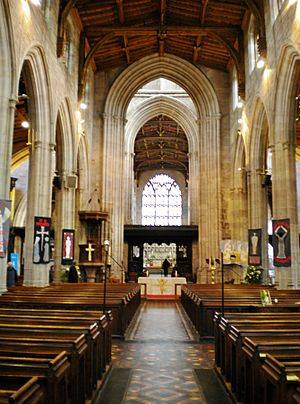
(25, 124)
(260, 62)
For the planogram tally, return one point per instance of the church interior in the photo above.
(149, 214)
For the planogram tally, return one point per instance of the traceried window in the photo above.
(161, 202)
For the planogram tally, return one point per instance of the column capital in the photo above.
(287, 145)
(13, 102)
(52, 146)
(37, 144)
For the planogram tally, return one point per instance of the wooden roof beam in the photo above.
(168, 30)
(197, 48)
(163, 8)
(126, 49)
(83, 72)
(204, 7)
(120, 11)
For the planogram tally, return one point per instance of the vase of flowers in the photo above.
(253, 274)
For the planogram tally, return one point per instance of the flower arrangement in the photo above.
(254, 274)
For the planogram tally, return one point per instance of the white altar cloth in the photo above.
(161, 287)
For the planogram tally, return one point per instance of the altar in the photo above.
(161, 287)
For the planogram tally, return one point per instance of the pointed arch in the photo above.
(202, 93)
(258, 137)
(83, 172)
(288, 72)
(65, 120)
(186, 119)
(8, 93)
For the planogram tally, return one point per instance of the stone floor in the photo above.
(162, 351)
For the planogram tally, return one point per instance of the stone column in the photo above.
(239, 213)
(6, 138)
(113, 185)
(129, 188)
(209, 188)
(38, 204)
(192, 213)
(257, 208)
(65, 219)
(285, 207)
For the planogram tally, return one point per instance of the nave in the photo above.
(161, 361)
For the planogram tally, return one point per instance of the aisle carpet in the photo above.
(115, 387)
(212, 388)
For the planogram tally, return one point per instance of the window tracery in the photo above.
(161, 202)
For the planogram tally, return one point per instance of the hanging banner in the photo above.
(5, 211)
(67, 249)
(254, 246)
(281, 242)
(41, 247)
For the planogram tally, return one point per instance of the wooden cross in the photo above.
(90, 250)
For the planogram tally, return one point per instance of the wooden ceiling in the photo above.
(205, 32)
(161, 144)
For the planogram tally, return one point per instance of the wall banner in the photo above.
(281, 243)
(67, 246)
(41, 247)
(254, 246)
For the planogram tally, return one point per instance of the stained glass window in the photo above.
(162, 202)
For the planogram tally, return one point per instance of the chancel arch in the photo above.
(186, 119)
(199, 88)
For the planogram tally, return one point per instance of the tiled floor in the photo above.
(162, 352)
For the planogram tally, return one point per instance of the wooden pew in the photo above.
(239, 358)
(202, 301)
(53, 331)
(22, 390)
(53, 319)
(279, 378)
(53, 371)
(76, 349)
(123, 301)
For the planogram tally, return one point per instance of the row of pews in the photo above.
(121, 299)
(55, 342)
(202, 301)
(258, 356)
(257, 347)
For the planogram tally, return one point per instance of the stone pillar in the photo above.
(239, 213)
(6, 138)
(113, 185)
(285, 207)
(209, 189)
(38, 204)
(129, 188)
(192, 213)
(65, 219)
(257, 208)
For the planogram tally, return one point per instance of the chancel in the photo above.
(152, 150)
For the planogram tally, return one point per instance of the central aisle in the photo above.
(162, 353)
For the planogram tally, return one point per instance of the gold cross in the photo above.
(162, 283)
(90, 250)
